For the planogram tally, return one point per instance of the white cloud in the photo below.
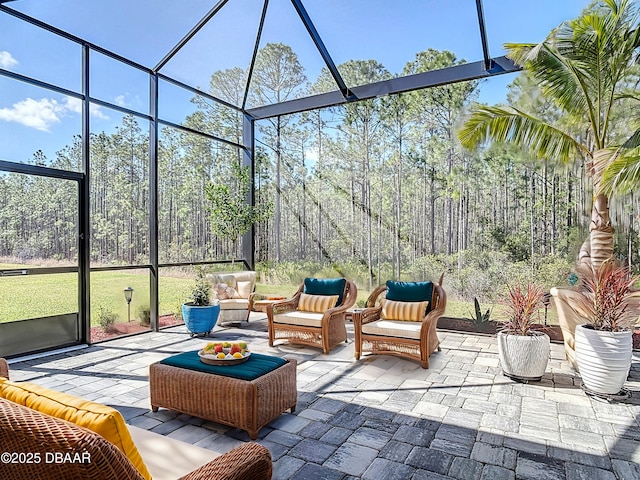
(39, 114)
(75, 105)
(120, 101)
(44, 113)
(95, 111)
(7, 61)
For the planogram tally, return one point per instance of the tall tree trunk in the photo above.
(432, 213)
(554, 199)
(532, 213)
(449, 207)
(598, 247)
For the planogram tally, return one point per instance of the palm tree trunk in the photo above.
(598, 247)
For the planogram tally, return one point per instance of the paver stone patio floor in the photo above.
(381, 417)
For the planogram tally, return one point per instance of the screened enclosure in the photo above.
(337, 128)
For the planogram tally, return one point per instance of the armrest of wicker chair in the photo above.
(430, 321)
(284, 306)
(376, 297)
(250, 461)
(366, 315)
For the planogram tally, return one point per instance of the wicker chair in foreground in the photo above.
(315, 315)
(401, 319)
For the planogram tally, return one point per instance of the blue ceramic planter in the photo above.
(200, 320)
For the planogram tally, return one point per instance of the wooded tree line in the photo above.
(380, 183)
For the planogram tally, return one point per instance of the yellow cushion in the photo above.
(408, 311)
(105, 421)
(316, 303)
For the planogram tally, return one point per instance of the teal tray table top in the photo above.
(256, 366)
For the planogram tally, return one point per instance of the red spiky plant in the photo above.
(523, 302)
(607, 297)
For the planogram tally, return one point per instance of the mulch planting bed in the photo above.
(99, 335)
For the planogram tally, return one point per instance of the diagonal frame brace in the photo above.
(315, 36)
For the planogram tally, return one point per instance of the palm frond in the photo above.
(510, 125)
(623, 172)
(558, 78)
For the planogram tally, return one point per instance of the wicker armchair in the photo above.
(324, 329)
(38, 436)
(235, 309)
(415, 340)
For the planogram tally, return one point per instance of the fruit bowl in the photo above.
(224, 353)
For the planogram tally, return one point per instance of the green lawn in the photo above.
(26, 296)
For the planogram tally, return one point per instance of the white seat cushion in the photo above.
(307, 319)
(234, 304)
(168, 458)
(393, 328)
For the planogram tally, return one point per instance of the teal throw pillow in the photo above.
(410, 292)
(325, 286)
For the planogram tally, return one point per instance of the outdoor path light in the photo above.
(128, 295)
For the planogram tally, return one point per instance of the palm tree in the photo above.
(586, 67)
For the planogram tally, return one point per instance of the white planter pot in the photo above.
(524, 357)
(604, 358)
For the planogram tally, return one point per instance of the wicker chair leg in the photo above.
(271, 334)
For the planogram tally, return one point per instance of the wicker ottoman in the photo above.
(245, 404)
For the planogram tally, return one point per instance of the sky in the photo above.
(144, 31)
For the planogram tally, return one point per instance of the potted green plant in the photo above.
(523, 350)
(610, 307)
(200, 315)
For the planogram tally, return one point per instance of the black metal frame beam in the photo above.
(483, 35)
(84, 213)
(38, 170)
(457, 73)
(197, 91)
(248, 160)
(256, 45)
(315, 36)
(182, 128)
(203, 21)
(154, 288)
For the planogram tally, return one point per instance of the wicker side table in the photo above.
(248, 405)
